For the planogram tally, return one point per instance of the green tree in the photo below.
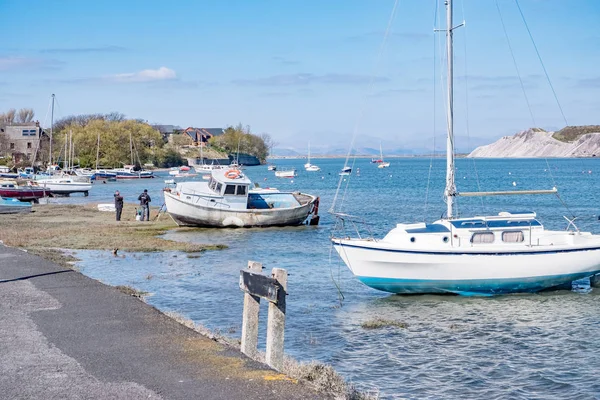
(240, 138)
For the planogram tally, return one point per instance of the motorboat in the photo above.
(286, 173)
(129, 172)
(13, 206)
(66, 185)
(227, 200)
(345, 171)
(12, 189)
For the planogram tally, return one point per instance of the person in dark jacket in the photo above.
(118, 204)
(145, 200)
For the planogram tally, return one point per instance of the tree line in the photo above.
(112, 140)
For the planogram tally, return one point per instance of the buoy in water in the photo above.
(514, 183)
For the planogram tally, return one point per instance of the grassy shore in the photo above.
(50, 227)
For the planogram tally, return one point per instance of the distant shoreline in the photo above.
(362, 156)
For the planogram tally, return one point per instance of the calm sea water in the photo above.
(520, 346)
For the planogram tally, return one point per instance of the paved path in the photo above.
(66, 336)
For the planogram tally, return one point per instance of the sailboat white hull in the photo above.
(398, 270)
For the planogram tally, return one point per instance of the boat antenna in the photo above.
(51, 129)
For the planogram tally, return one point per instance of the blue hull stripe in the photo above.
(471, 286)
(509, 253)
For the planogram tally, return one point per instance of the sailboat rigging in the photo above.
(505, 253)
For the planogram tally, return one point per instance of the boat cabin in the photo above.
(506, 228)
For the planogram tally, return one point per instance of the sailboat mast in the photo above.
(450, 191)
(51, 130)
(98, 151)
(131, 147)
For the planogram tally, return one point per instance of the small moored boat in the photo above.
(226, 200)
(286, 173)
(13, 206)
(12, 189)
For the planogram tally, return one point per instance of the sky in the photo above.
(306, 70)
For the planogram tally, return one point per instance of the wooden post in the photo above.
(250, 317)
(276, 322)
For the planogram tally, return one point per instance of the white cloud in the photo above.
(146, 75)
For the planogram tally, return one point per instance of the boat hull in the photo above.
(66, 188)
(187, 214)
(13, 206)
(24, 194)
(407, 272)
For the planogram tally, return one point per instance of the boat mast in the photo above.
(98, 151)
(51, 130)
(450, 191)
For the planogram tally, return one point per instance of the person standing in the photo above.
(118, 204)
(145, 200)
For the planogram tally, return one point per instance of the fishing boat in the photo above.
(11, 189)
(509, 252)
(381, 163)
(226, 200)
(308, 166)
(286, 173)
(13, 206)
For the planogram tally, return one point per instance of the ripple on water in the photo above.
(518, 347)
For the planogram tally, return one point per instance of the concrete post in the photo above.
(250, 317)
(276, 322)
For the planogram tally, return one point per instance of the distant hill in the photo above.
(572, 141)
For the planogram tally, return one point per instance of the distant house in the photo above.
(22, 142)
(167, 130)
(200, 136)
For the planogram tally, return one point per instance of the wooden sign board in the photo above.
(260, 285)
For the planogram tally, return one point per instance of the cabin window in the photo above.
(229, 189)
(241, 190)
(219, 186)
(513, 236)
(482, 237)
(212, 184)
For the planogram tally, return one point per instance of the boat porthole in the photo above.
(445, 239)
(412, 239)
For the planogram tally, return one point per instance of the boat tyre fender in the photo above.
(232, 174)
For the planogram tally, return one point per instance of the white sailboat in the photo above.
(308, 166)
(382, 164)
(504, 253)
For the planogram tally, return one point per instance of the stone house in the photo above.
(22, 141)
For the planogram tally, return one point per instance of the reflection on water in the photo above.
(520, 346)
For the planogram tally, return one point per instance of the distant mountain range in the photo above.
(572, 141)
(414, 147)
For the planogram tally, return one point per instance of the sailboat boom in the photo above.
(505, 193)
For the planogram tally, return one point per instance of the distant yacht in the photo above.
(308, 166)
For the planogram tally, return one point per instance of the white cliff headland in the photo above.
(572, 141)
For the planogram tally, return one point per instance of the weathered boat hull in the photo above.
(187, 214)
